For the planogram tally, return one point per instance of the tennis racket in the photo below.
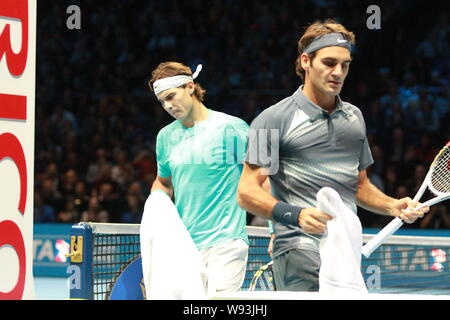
(437, 180)
(263, 279)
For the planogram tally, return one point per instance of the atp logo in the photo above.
(62, 248)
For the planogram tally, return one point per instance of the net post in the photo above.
(82, 288)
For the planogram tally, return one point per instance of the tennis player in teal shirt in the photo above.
(200, 157)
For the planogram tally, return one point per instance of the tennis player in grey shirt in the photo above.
(310, 140)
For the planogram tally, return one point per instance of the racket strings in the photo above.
(440, 177)
(263, 279)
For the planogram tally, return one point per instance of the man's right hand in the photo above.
(313, 221)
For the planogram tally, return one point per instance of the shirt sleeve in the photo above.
(365, 157)
(236, 141)
(263, 141)
(161, 157)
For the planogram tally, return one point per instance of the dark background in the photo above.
(96, 120)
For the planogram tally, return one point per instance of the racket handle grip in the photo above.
(381, 236)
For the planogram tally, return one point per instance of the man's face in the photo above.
(328, 70)
(177, 101)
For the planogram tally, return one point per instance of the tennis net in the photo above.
(404, 264)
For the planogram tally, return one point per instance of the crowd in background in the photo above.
(96, 120)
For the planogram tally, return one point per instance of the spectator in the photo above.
(135, 189)
(393, 115)
(42, 212)
(92, 212)
(110, 201)
(134, 212)
(144, 163)
(63, 118)
(93, 172)
(402, 191)
(68, 183)
(425, 151)
(70, 213)
(81, 197)
(379, 160)
(391, 181)
(375, 119)
(437, 218)
(418, 177)
(103, 217)
(50, 195)
(397, 145)
(122, 172)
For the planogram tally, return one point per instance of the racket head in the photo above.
(263, 279)
(439, 177)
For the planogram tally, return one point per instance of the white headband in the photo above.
(174, 82)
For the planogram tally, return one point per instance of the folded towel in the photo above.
(340, 247)
(171, 264)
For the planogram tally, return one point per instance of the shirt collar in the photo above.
(314, 111)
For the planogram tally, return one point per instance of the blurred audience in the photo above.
(96, 120)
(43, 213)
(134, 212)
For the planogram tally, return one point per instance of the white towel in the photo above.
(171, 264)
(340, 247)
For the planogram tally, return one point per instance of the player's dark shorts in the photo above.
(297, 270)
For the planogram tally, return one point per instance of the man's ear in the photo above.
(191, 87)
(305, 61)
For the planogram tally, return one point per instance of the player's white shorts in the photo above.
(226, 265)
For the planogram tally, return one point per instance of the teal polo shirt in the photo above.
(205, 163)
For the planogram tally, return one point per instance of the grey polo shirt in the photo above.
(304, 149)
